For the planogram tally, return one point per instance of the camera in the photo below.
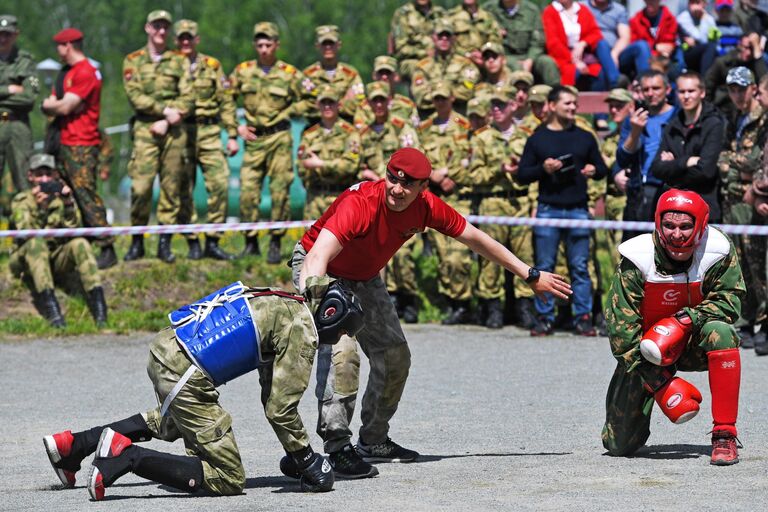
(51, 187)
(641, 104)
(568, 164)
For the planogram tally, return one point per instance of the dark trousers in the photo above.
(641, 206)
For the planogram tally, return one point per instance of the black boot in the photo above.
(410, 308)
(251, 246)
(495, 316)
(50, 308)
(760, 341)
(212, 250)
(195, 252)
(459, 313)
(526, 317)
(177, 471)
(394, 298)
(84, 443)
(97, 305)
(136, 251)
(164, 249)
(273, 255)
(107, 257)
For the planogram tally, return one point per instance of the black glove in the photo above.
(317, 476)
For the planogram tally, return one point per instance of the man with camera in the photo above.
(562, 157)
(50, 204)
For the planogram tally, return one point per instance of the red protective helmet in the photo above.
(683, 201)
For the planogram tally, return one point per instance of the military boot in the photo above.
(251, 246)
(760, 341)
(273, 255)
(50, 308)
(107, 257)
(459, 313)
(394, 299)
(526, 317)
(136, 251)
(495, 316)
(97, 305)
(410, 309)
(164, 249)
(195, 252)
(212, 250)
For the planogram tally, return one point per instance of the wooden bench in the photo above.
(593, 103)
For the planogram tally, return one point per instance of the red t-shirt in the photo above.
(371, 233)
(81, 127)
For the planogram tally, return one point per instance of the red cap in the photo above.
(68, 35)
(410, 162)
(719, 4)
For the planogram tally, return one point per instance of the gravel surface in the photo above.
(503, 422)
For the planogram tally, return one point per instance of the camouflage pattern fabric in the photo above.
(412, 35)
(345, 80)
(401, 107)
(473, 31)
(455, 69)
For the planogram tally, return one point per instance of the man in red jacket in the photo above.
(657, 26)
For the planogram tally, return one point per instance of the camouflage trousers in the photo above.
(42, 263)
(400, 274)
(519, 240)
(751, 251)
(626, 426)
(270, 155)
(151, 156)
(545, 70)
(317, 203)
(78, 166)
(338, 368)
(204, 149)
(16, 148)
(455, 260)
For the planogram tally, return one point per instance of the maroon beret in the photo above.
(410, 162)
(68, 35)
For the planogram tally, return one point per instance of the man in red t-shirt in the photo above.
(74, 105)
(353, 241)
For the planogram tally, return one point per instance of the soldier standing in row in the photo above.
(411, 36)
(213, 107)
(474, 26)
(402, 107)
(155, 81)
(272, 93)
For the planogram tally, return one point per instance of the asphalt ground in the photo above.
(503, 422)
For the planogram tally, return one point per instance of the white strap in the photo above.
(175, 391)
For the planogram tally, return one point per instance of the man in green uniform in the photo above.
(277, 333)
(524, 38)
(49, 204)
(402, 107)
(19, 87)
(344, 78)
(213, 107)
(272, 93)
(155, 81)
(329, 155)
(473, 26)
(411, 33)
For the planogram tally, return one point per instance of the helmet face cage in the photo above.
(683, 201)
(339, 312)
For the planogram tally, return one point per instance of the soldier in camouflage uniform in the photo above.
(411, 33)
(155, 81)
(473, 27)
(380, 139)
(272, 93)
(524, 38)
(49, 204)
(680, 286)
(189, 406)
(329, 155)
(445, 65)
(344, 78)
(402, 107)
(19, 87)
(213, 107)
(444, 138)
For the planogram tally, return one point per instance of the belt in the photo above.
(279, 127)
(315, 189)
(146, 118)
(9, 116)
(508, 194)
(204, 120)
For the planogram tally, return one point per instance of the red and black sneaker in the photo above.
(584, 327)
(58, 447)
(725, 448)
(542, 327)
(111, 445)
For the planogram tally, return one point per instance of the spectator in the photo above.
(561, 157)
(750, 17)
(385, 70)
(728, 31)
(657, 26)
(411, 33)
(638, 144)
(474, 27)
(691, 144)
(749, 54)
(574, 40)
(696, 30)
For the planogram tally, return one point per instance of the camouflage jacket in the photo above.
(447, 145)
(379, 144)
(346, 82)
(723, 290)
(27, 214)
(268, 98)
(459, 71)
(743, 155)
(399, 106)
(212, 92)
(608, 149)
(523, 31)
(412, 30)
(19, 69)
(483, 86)
(152, 86)
(338, 147)
(489, 150)
(472, 32)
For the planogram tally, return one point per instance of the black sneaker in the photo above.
(747, 335)
(584, 327)
(542, 327)
(347, 465)
(388, 451)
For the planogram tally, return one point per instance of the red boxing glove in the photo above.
(664, 343)
(679, 400)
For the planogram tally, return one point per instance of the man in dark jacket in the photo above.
(691, 143)
(749, 54)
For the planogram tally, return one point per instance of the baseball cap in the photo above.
(327, 92)
(492, 47)
(185, 27)
(68, 35)
(538, 93)
(721, 4)
(327, 33)
(443, 25)
(42, 160)
(159, 15)
(521, 76)
(619, 94)
(503, 93)
(478, 106)
(441, 88)
(8, 23)
(265, 28)
(385, 62)
(409, 162)
(740, 76)
(378, 89)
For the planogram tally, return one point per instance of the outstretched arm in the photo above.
(326, 247)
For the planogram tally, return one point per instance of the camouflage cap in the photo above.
(185, 27)
(572, 89)
(327, 33)
(378, 89)
(266, 29)
(42, 160)
(441, 88)
(327, 92)
(521, 76)
(159, 15)
(492, 47)
(8, 23)
(503, 93)
(538, 93)
(385, 62)
(443, 25)
(740, 76)
(478, 106)
(619, 94)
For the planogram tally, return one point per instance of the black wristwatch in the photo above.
(533, 275)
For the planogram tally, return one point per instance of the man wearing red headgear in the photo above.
(672, 306)
(353, 241)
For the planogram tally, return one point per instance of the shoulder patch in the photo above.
(347, 70)
(246, 64)
(212, 63)
(462, 122)
(396, 121)
(136, 54)
(481, 130)
(346, 126)
(287, 68)
(312, 128)
(426, 124)
(405, 100)
(311, 70)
